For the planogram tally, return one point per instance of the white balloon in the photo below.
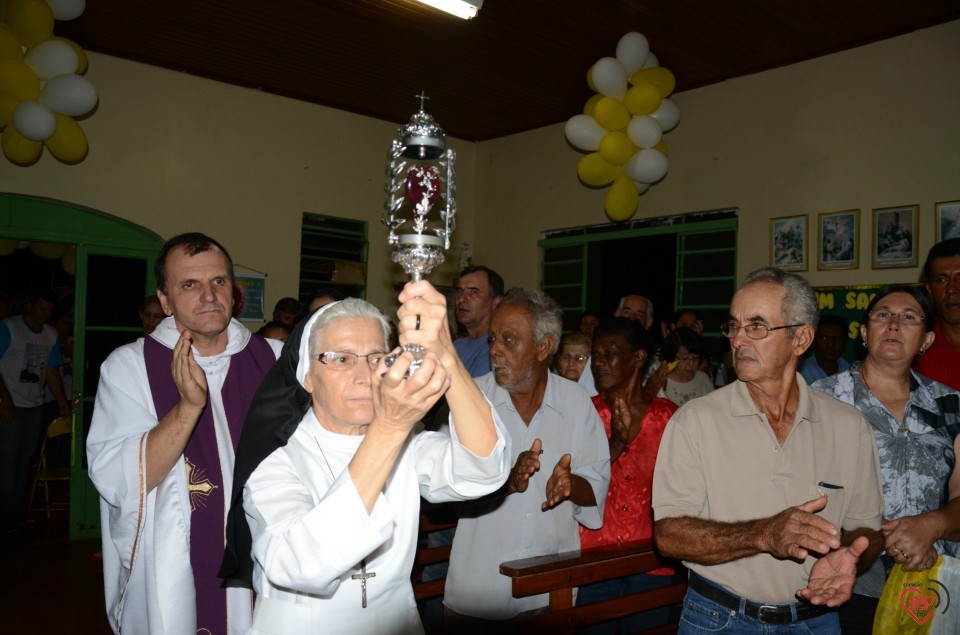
(644, 131)
(667, 115)
(646, 166)
(641, 187)
(651, 61)
(70, 94)
(610, 78)
(632, 50)
(51, 58)
(67, 9)
(34, 120)
(584, 132)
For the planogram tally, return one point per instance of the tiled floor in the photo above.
(51, 585)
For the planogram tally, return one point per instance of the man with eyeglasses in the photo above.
(168, 415)
(829, 343)
(941, 272)
(769, 491)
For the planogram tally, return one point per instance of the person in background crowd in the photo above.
(573, 355)
(916, 423)
(561, 469)
(686, 381)
(160, 448)
(588, 321)
(634, 422)
(287, 311)
(151, 313)
(941, 272)
(275, 330)
(30, 360)
(479, 290)
(636, 308)
(828, 346)
(689, 319)
(765, 473)
(324, 296)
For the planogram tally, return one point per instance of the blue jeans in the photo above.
(18, 442)
(701, 616)
(619, 587)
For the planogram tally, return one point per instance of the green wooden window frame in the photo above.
(333, 252)
(708, 237)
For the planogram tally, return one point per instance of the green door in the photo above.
(113, 273)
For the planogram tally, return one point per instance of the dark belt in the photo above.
(763, 613)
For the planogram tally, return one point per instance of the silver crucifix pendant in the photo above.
(362, 576)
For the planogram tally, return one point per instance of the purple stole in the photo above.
(204, 475)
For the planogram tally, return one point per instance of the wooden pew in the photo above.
(559, 574)
(433, 517)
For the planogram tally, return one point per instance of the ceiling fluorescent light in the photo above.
(465, 9)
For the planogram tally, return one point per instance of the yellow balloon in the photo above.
(17, 148)
(611, 113)
(660, 77)
(7, 106)
(593, 170)
(69, 260)
(590, 108)
(622, 199)
(643, 98)
(662, 147)
(30, 20)
(18, 81)
(68, 143)
(590, 80)
(8, 246)
(10, 48)
(616, 148)
(81, 54)
(50, 251)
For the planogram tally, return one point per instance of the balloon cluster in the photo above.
(622, 125)
(41, 84)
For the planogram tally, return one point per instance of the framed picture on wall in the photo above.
(948, 220)
(788, 243)
(895, 236)
(839, 235)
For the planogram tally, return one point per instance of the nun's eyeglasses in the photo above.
(338, 360)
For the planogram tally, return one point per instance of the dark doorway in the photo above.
(644, 266)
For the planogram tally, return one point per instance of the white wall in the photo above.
(176, 153)
(872, 127)
(876, 126)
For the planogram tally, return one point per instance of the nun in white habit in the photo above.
(333, 513)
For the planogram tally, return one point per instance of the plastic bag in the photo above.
(921, 602)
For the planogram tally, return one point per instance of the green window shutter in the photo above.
(333, 252)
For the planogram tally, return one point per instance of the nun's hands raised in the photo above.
(423, 320)
(399, 402)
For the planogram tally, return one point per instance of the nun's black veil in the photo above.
(273, 417)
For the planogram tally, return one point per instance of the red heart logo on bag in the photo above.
(917, 605)
(422, 187)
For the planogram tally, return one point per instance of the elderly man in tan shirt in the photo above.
(767, 490)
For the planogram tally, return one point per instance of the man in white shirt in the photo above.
(561, 467)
